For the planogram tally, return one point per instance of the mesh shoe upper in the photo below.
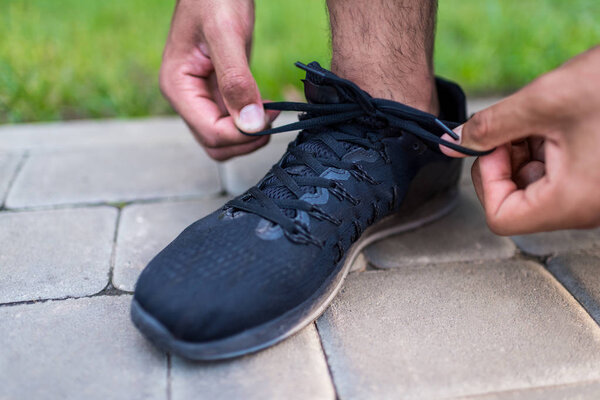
(270, 249)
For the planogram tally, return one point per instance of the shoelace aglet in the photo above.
(310, 69)
(446, 129)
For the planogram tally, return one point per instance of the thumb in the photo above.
(236, 83)
(510, 119)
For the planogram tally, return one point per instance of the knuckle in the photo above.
(235, 82)
(479, 126)
(217, 155)
(209, 141)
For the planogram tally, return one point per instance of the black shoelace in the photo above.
(333, 123)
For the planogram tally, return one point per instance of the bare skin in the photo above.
(545, 171)
(206, 77)
(386, 48)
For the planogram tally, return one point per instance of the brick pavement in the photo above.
(447, 311)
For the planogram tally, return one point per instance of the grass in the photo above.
(66, 59)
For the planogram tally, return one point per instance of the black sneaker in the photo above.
(269, 262)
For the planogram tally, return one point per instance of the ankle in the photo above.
(414, 89)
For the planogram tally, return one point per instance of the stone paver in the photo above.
(548, 243)
(240, 173)
(460, 236)
(114, 174)
(294, 369)
(477, 104)
(8, 166)
(145, 229)
(77, 349)
(55, 253)
(93, 134)
(452, 330)
(578, 391)
(580, 274)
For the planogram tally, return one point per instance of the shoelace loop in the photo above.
(331, 122)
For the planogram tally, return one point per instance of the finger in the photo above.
(511, 119)
(225, 153)
(510, 210)
(236, 84)
(519, 155)
(476, 178)
(191, 97)
(529, 173)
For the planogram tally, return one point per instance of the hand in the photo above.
(545, 171)
(206, 77)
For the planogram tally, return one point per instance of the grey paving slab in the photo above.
(293, 369)
(120, 173)
(549, 243)
(465, 179)
(460, 236)
(8, 166)
(479, 103)
(241, 173)
(452, 330)
(93, 134)
(55, 253)
(577, 391)
(145, 229)
(77, 349)
(580, 274)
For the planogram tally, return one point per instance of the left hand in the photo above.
(545, 171)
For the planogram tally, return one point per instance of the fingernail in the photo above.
(252, 118)
(204, 50)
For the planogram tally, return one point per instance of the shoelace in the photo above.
(331, 121)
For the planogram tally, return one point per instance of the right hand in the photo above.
(206, 77)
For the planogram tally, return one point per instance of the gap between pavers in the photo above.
(551, 243)
(462, 235)
(145, 229)
(9, 162)
(114, 174)
(580, 275)
(293, 369)
(77, 349)
(55, 253)
(455, 330)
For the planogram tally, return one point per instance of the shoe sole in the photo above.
(272, 332)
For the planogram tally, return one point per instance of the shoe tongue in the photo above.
(316, 92)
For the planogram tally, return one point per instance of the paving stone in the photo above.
(445, 331)
(580, 274)
(8, 166)
(241, 173)
(578, 391)
(477, 104)
(145, 229)
(549, 243)
(55, 253)
(460, 236)
(293, 369)
(114, 174)
(93, 134)
(77, 349)
(465, 178)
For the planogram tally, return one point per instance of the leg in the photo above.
(386, 47)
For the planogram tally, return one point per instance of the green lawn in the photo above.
(65, 59)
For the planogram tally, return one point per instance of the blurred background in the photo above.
(71, 59)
